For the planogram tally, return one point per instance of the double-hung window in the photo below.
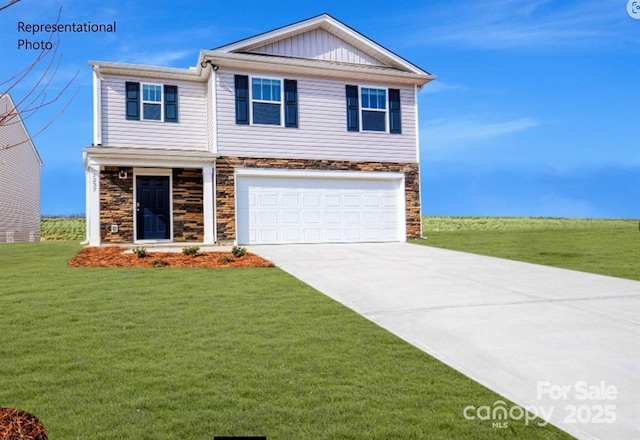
(373, 109)
(151, 102)
(266, 101)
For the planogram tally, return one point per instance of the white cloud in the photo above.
(165, 58)
(441, 86)
(509, 24)
(447, 131)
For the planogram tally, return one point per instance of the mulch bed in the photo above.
(16, 424)
(115, 257)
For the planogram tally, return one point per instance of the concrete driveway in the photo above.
(565, 344)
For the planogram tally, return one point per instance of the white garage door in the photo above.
(319, 208)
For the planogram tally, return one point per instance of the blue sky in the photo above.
(535, 110)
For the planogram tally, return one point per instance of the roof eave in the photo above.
(197, 74)
(303, 66)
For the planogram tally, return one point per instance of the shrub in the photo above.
(191, 251)
(224, 259)
(239, 251)
(139, 251)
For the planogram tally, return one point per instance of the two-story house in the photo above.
(304, 134)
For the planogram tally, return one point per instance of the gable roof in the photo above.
(13, 132)
(374, 52)
(359, 57)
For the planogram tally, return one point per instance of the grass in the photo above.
(608, 247)
(193, 353)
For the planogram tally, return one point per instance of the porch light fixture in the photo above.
(122, 174)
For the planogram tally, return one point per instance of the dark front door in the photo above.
(153, 220)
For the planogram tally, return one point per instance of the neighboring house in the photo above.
(304, 134)
(19, 178)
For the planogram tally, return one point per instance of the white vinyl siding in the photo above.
(190, 132)
(322, 132)
(318, 44)
(19, 184)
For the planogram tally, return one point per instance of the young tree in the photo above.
(36, 78)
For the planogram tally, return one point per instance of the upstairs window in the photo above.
(266, 101)
(154, 102)
(373, 109)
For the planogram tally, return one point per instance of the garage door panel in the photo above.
(333, 235)
(312, 235)
(291, 235)
(311, 217)
(332, 218)
(317, 210)
(291, 217)
(291, 200)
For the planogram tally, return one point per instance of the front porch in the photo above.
(149, 197)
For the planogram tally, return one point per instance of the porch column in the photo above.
(93, 204)
(207, 203)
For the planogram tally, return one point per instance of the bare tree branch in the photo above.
(10, 3)
(47, 63)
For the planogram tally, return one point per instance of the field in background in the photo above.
(608, 247)
(62, 228)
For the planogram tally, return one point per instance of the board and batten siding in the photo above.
(190, 132)
(318, 44)
(322, 132)
(19, 186)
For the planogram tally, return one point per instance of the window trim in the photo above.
(143, 102)
(361, 109)
(252, 100)
(355, 111)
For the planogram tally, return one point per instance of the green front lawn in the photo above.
(608, 247)
(192, 353)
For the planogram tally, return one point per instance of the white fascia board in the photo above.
(274, 35)
(317, 68)
(316, 174)
(150, 158)
(197, 74)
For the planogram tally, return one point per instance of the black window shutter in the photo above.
(395, 124)
(242, 99)
(171, 103)
(290, 103)
(132, 91)
(352, 108)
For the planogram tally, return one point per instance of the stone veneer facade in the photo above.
(116, 205)
(116, 196)
(225, 186)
